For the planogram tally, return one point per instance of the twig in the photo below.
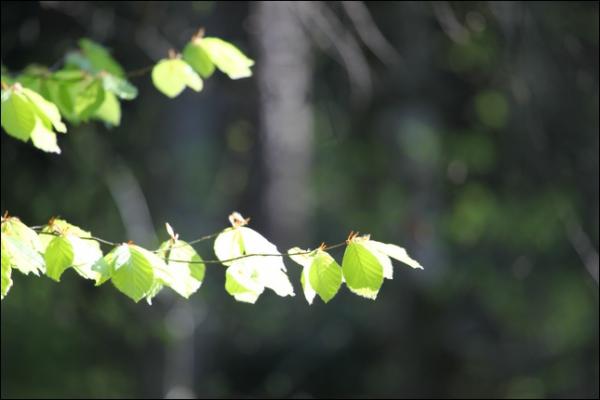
(108, 242)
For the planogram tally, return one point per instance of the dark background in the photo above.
(466, 132)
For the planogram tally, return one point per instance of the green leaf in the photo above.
(305, 260)
(119, 86)
(22, 257)
(88, 98)
(18, 115)
(22, 246)
(27, 115)
(325, 276)
(110, 110)
(86, 251)
(229, 244)
(77, 59)
(184, 265)
(62, 227)
(6, 274)
(321, 274)
(172, 76)
(86, 254)
(33, 76)
(269, 271)
(133, 271)
(226, 57)
(157, 286)
(196, 56)
(242, 282)
(43, 137)
(100, 58)
(395, 252)
(362, 271)
(58, 257)
(77, 99)
(46, 110)
(105, 267)
(382, 258)
(12, 226)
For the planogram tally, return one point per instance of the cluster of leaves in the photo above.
(91, 84)
(253, 263)
(199, 59)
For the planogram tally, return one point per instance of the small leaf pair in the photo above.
(206, 53)
(247, 276)
(321, 274)
(367, 262)
(96, 59)
(200, 57)
(140, 273)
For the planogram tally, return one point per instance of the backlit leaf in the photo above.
(226, 57)
(58, 257)
(362, 271)
(173, 75)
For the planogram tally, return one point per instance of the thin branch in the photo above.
(107, 242)
(203, 238)
(300, 253)
(139, 72)
(97, 239)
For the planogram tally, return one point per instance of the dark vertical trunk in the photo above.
(284, 76)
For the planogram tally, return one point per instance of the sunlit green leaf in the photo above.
(382, 258)
(86, 251)
(393, 251)
(362, 271)
(172, 76)
(22, 246)
(18, 115)
(321, 274)
(305, 260)
(86, 254)
(120, 87)
(79, 99)
(110, 110)
(58, 257)
(226, 57)
(229, 244)
(105, 267)
(47, 110)
(88, 97)
(6, 274)
(267, 270)
(242, 282)
(325, 276)
(133, 272)
(195, 55)
(100, 58)
(185, 266)
(44, 138)
(157, 286)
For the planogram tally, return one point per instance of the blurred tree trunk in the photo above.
(285, 76)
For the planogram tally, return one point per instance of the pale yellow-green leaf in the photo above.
(173, 75)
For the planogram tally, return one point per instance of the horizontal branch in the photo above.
(200, 239)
